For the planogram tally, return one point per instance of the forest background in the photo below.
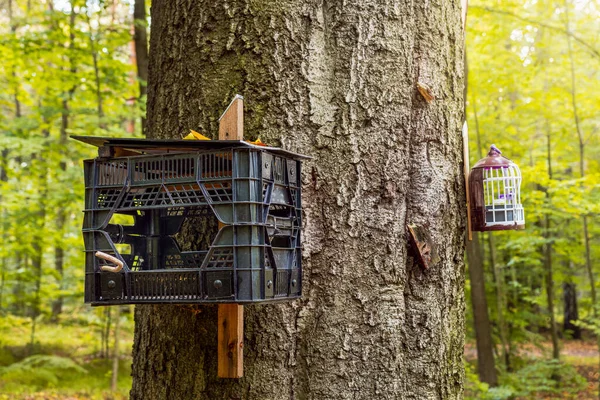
(78, 68)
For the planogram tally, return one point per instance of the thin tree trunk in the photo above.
(3, 259)
(140, 38)
(100, 110)
(38, 238)
(102, 332)
(115, 356)
(586, 236)
(497, 274)
(548, 257)
(132, 102)
(98, 88)
(61, 217)
(486, 366)
(336, 82)
(4, 178)
(500, 302)
(588, 263)
(476, 118)
(36, 263)
(571, 311)
(106, 335)
(59, 256)
(483, 333)
(13, 30)
(16, 307)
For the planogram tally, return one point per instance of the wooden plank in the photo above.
(231, 341)
(110, 151)
(231, 123)
(465, 137)
(231, 316)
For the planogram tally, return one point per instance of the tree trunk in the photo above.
(500, 303)
(38, 162)
(114, 378)
(3, 226)
(486, 366)
(549, 280)
(337, 82)
(582, 142)
(571, 312)
(483, 332)
(140, 38)
(106, 333)
(497, 274)
(548, 248)
(94, 53)
(61, 218)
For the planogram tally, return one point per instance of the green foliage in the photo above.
(59, 382)
(533, 67)
(40, 371)
(474, 388)
(67, 69)
(548, 376)
(477, 390)
(66, 359)
(539, 378)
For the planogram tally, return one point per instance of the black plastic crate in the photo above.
(254, 255)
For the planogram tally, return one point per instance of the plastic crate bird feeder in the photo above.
(254, 193)
(249, 194)
(495, 194)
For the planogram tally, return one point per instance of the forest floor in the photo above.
(581, 355)
(65, 362)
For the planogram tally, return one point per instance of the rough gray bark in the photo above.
(335, 81)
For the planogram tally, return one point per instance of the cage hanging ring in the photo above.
(108, 257)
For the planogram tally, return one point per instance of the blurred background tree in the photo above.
(68, 67)
(532, 69)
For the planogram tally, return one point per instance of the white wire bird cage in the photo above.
(495, 186)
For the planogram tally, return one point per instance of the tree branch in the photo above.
(582, 42)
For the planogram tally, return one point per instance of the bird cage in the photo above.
(250, 195)
(495, 194)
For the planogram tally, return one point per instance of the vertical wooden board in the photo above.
(467, 170)
(231, 341)
(231, 123)
(231, 316)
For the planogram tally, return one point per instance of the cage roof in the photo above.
(494, 159)
(179, 145)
